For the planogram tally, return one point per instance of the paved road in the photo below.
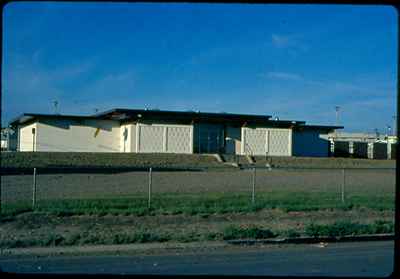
(340, 259)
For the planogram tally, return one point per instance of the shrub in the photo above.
(381, 226)
(235, 232)
(291, 233)
(52, 240)
(344, 228)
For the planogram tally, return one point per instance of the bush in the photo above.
(345, 228)
(235, 232)
(381, 226)
(52, 240)
(291, 233)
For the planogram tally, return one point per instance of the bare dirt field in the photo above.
(40, 229)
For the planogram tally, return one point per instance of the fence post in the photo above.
(343, 183)
(1, 197)
(150, 178)
(34, 189)
(254, 186)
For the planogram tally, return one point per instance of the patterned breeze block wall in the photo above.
(151, 138)
(278, 142)
(178, 140)
(165, 138)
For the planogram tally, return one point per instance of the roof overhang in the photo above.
(140, 114)
(27, 117)
(323, 128)
(126, 115)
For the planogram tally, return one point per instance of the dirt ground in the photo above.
(37, 226)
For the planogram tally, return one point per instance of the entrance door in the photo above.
(210, 138)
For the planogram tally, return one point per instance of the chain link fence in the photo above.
(208, 190)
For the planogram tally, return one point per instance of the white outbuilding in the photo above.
(156, 131)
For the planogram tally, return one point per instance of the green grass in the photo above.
(209, 203)
(342, 228)
(254, 232)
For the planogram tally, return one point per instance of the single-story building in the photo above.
(140, 131)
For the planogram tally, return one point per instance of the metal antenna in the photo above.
(376, 133)
(394, 130)
(337, 108)
(388, 133)
(55, 106)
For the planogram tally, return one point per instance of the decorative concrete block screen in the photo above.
(255, 141)
(164, 138)
(262, 141)
(278, 142)
(151, 138)
(178, 140)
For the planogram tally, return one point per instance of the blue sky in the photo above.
(291, 61)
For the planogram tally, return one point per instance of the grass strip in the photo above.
(340, 228)
(209, 203)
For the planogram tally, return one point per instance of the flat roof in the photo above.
(122, 114)
(25, 117)
(135, 114)
(320, 127)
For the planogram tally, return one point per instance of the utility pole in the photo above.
(55, 103)
(376, 133)
(394, 130)
(337, 108)
(389, 129)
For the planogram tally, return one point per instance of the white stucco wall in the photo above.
(128, 144)
(26, 140)
(86, 135)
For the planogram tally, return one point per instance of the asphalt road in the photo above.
(336, 259)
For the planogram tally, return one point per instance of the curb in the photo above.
(308, 240)
(116, 249)
(113, 248)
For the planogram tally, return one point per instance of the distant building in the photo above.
(157, 131)
(358, 137)
(362, 145)
(8, 139)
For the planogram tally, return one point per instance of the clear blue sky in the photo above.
(296, 62)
